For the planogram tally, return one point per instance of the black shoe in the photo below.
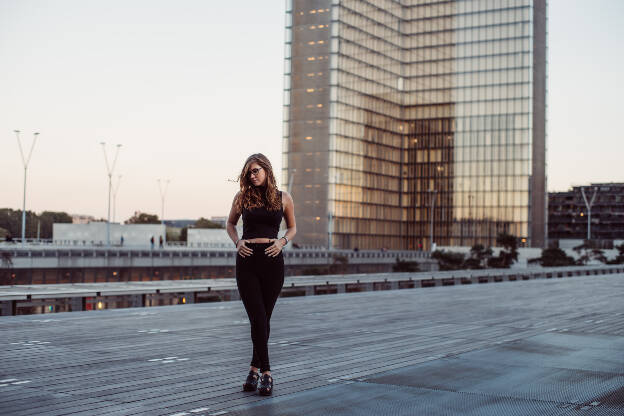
(266, 385)
(252, 381)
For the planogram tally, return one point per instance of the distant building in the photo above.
(216, 237)
(82, 219)
(219, 220)
(568, 215)
(95, 234)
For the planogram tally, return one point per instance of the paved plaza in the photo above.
(535, 347)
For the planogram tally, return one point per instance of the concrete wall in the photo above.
(215, 237)
(134, 234)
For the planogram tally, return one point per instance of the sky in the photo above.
(190, 88)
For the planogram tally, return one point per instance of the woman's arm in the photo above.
(230, 226)
(291, 226)
(289, 216)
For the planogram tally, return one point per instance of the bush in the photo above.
(449, 260)
(587, 252)
(508, 254)
(479, 257)
(555, 257)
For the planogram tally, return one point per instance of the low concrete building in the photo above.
(215, 237)
(95, 233)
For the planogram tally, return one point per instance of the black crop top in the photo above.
(262, 223)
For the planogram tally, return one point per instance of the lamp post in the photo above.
(110, 168)
(25, 162)
(433, 201)
(163, 194)
(589, 205)
(115, 198)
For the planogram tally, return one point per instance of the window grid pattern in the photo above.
(425, 100)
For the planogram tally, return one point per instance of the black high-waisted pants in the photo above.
(260, 279)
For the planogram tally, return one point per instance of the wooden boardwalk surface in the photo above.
(535, 347)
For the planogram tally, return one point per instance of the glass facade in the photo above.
(409, 119)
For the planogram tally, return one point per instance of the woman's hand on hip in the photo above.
(242, 249)
(275, 248)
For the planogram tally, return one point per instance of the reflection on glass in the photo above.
(424, 96)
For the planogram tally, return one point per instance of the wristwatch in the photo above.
(285, 238)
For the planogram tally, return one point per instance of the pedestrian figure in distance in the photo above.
(152, 242)
(160, 241)
(260, 262)
(121, 241)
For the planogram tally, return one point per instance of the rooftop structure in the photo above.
(509, 348)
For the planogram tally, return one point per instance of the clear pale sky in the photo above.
(190, 88)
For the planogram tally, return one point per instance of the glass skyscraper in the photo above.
(411, 119)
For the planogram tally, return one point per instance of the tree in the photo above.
(587, 252)
(143, 218)
(508, 254)
(479, 256)
(448, 260)
(51, 217)
(555, 257)
(205, 223)
(11, 221)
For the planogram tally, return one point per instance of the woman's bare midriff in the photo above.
(260, 240)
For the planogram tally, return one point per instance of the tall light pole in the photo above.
(589, 205)
(163, 194)
(433, 201)
(25, 161)
(115, 198)
(110, 168)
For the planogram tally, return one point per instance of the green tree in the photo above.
(205, 223)
(508, 254)
(143, 218)
(479, 256)
(449, 260)
(11, 221)
(587, 252)
(555, 257)
(48, 218)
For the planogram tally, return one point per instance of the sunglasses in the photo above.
(254, 171)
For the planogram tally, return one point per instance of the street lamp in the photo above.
(25, 161)
(589, 205)
(163, 194)
(110, 168)
(433, 201)
(115, 198)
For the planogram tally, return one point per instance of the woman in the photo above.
(260, 262)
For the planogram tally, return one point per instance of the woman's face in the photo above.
(257, 175)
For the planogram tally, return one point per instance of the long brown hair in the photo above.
(256, 196)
